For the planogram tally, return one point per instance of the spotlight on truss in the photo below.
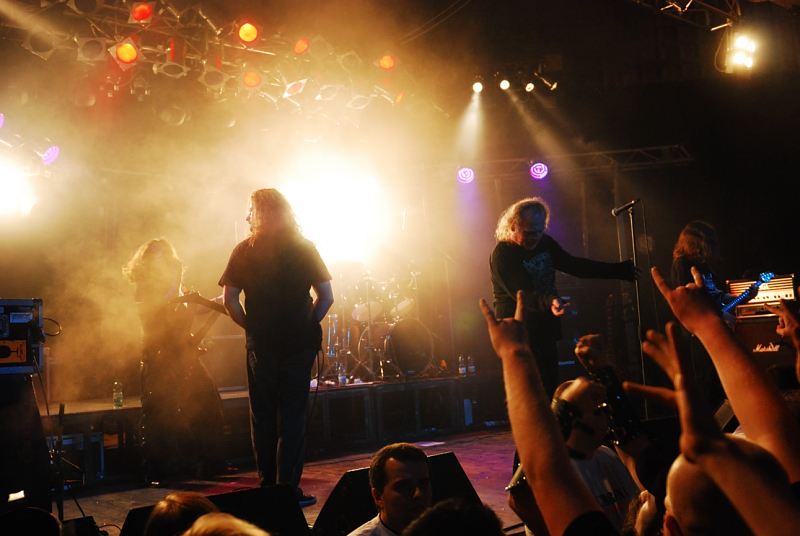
(91, 49)
(387, 62)
(538, 170)
(42, 41)
(212, 77)
(301, 45)
(551, 85)
(142, 12)
(248, 32)
(319, 49)
(294, 88)
(84, 7)
(350, 61)
(465, 175)
(125, 53)
(477, 84)
(328, 92)
(175, 64)
(359, 102)
(741, 50)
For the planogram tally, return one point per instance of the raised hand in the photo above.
(665, 351)
(691, 304)
(558, 307)
(788, 322)
(507, 334)
(591, 354)
(699, 431)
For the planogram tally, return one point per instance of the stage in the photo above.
(485, 456)
(346, 425)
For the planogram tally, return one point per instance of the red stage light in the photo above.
(301, 45)
(248, 32)
(251, 79)
(127, 53)
(387, 62)
(142, 12)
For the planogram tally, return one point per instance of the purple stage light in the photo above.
(50, 155)
(2, 120)
(465, 175)
(539, 171)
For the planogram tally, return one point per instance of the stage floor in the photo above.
(486, 457)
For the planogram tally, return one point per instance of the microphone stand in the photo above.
(637, 299)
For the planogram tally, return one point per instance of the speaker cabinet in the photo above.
(24, 457)
(759, 337)
(350, 504)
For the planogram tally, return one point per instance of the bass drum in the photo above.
(410, 344)
(378, 332)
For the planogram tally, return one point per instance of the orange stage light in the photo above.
(387, 62)
(248, 32)
(127, 53)
(301, 45)
(251, 79)
(142, 12)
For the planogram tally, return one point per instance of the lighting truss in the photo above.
(706, 14)
(180, 37)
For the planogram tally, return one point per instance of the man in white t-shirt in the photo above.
(399, 476)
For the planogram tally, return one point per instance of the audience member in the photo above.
(30, 521)
(713, 466)
(399, 476)
(221, 524)
(174, 514)
(577, 404)
(566, 504)
(788, 328)
(456, 516)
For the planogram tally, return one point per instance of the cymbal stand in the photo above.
(357, 356)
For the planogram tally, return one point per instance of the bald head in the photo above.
(698, 506)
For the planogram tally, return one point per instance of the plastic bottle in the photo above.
(342, 374)
(462, 366)
(117, 394)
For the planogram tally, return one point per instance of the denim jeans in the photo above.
(278, 384)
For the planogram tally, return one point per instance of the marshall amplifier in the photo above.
(759, 337)
(769, 293)
(21, 336)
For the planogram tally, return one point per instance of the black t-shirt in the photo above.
(591, 524)
(534, 271)
(276, 277)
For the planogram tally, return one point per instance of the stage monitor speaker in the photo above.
(350, 504)
(24, 456)
(274, 509)
(759, 337)
(82, 526)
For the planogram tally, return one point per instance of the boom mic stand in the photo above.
(628, 207)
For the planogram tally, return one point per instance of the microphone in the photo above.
(616, 211)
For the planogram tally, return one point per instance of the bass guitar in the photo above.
(750, 293)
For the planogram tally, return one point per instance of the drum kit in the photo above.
(376, 334)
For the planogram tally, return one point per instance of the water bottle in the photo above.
(462, 366)
(117, 394)
(470, 365)
(342, 374)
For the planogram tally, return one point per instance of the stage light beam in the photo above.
(16, 192)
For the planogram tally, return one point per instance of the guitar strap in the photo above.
(201, 333)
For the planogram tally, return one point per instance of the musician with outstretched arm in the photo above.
(526, 258)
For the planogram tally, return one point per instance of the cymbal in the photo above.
(367, 311)
(403, 308)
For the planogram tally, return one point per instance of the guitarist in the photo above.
(177, 390)
(697, 246)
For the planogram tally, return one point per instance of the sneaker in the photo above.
(306, 500)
